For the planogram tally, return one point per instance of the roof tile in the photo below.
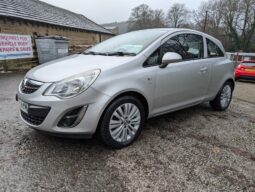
(39, 11)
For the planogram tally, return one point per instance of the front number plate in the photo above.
(24, 107)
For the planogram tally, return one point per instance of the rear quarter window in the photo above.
(213, 49)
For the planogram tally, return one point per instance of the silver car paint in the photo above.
(175, 87)
(72, 65)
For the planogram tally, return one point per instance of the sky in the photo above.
(107, 11)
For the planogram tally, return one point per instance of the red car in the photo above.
(246, 70)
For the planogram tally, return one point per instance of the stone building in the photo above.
(117, 27)
(36, 18)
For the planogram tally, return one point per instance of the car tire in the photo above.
(223, 98)
(122, 122)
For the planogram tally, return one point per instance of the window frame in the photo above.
(163, 41)
(193, 59)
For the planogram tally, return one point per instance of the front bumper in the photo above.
(94, 101)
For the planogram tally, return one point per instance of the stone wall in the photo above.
(79, 39)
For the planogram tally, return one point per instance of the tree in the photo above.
(231, 21)
(177, 15)
(159, 19)
(209, 17)
(253, 45)
(239, 19)
(143, 17)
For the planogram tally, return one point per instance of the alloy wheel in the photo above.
(225, 97)
(125, 122)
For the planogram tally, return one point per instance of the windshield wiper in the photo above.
(94, 53)
(120, 53)
(117, 53)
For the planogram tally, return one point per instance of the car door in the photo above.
(220, 66)
(184, 83)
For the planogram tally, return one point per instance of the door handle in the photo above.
(203, 69)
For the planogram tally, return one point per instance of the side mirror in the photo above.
(170, 57)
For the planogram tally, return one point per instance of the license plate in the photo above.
(24, 107)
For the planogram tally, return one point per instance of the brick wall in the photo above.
(79, 39)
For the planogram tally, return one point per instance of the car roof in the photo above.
(175, 30)
(248, 61)
(170, 31)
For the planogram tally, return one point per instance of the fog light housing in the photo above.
(72, 118)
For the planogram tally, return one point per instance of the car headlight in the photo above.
(73, 86)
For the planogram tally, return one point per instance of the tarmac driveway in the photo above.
(196, 149)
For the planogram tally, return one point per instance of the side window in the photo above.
(153, 59)
(189, 46)
(213, 49)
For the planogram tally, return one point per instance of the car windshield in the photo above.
(249, 64)
(127, 44)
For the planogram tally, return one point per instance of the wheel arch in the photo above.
(232, 82)
(135, 94)
(222, 84)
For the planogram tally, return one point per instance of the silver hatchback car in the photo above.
(114, 87)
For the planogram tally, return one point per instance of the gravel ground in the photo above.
(195, 149)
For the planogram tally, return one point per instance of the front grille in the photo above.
(36, 114)
(31, 119)
(29, 86)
